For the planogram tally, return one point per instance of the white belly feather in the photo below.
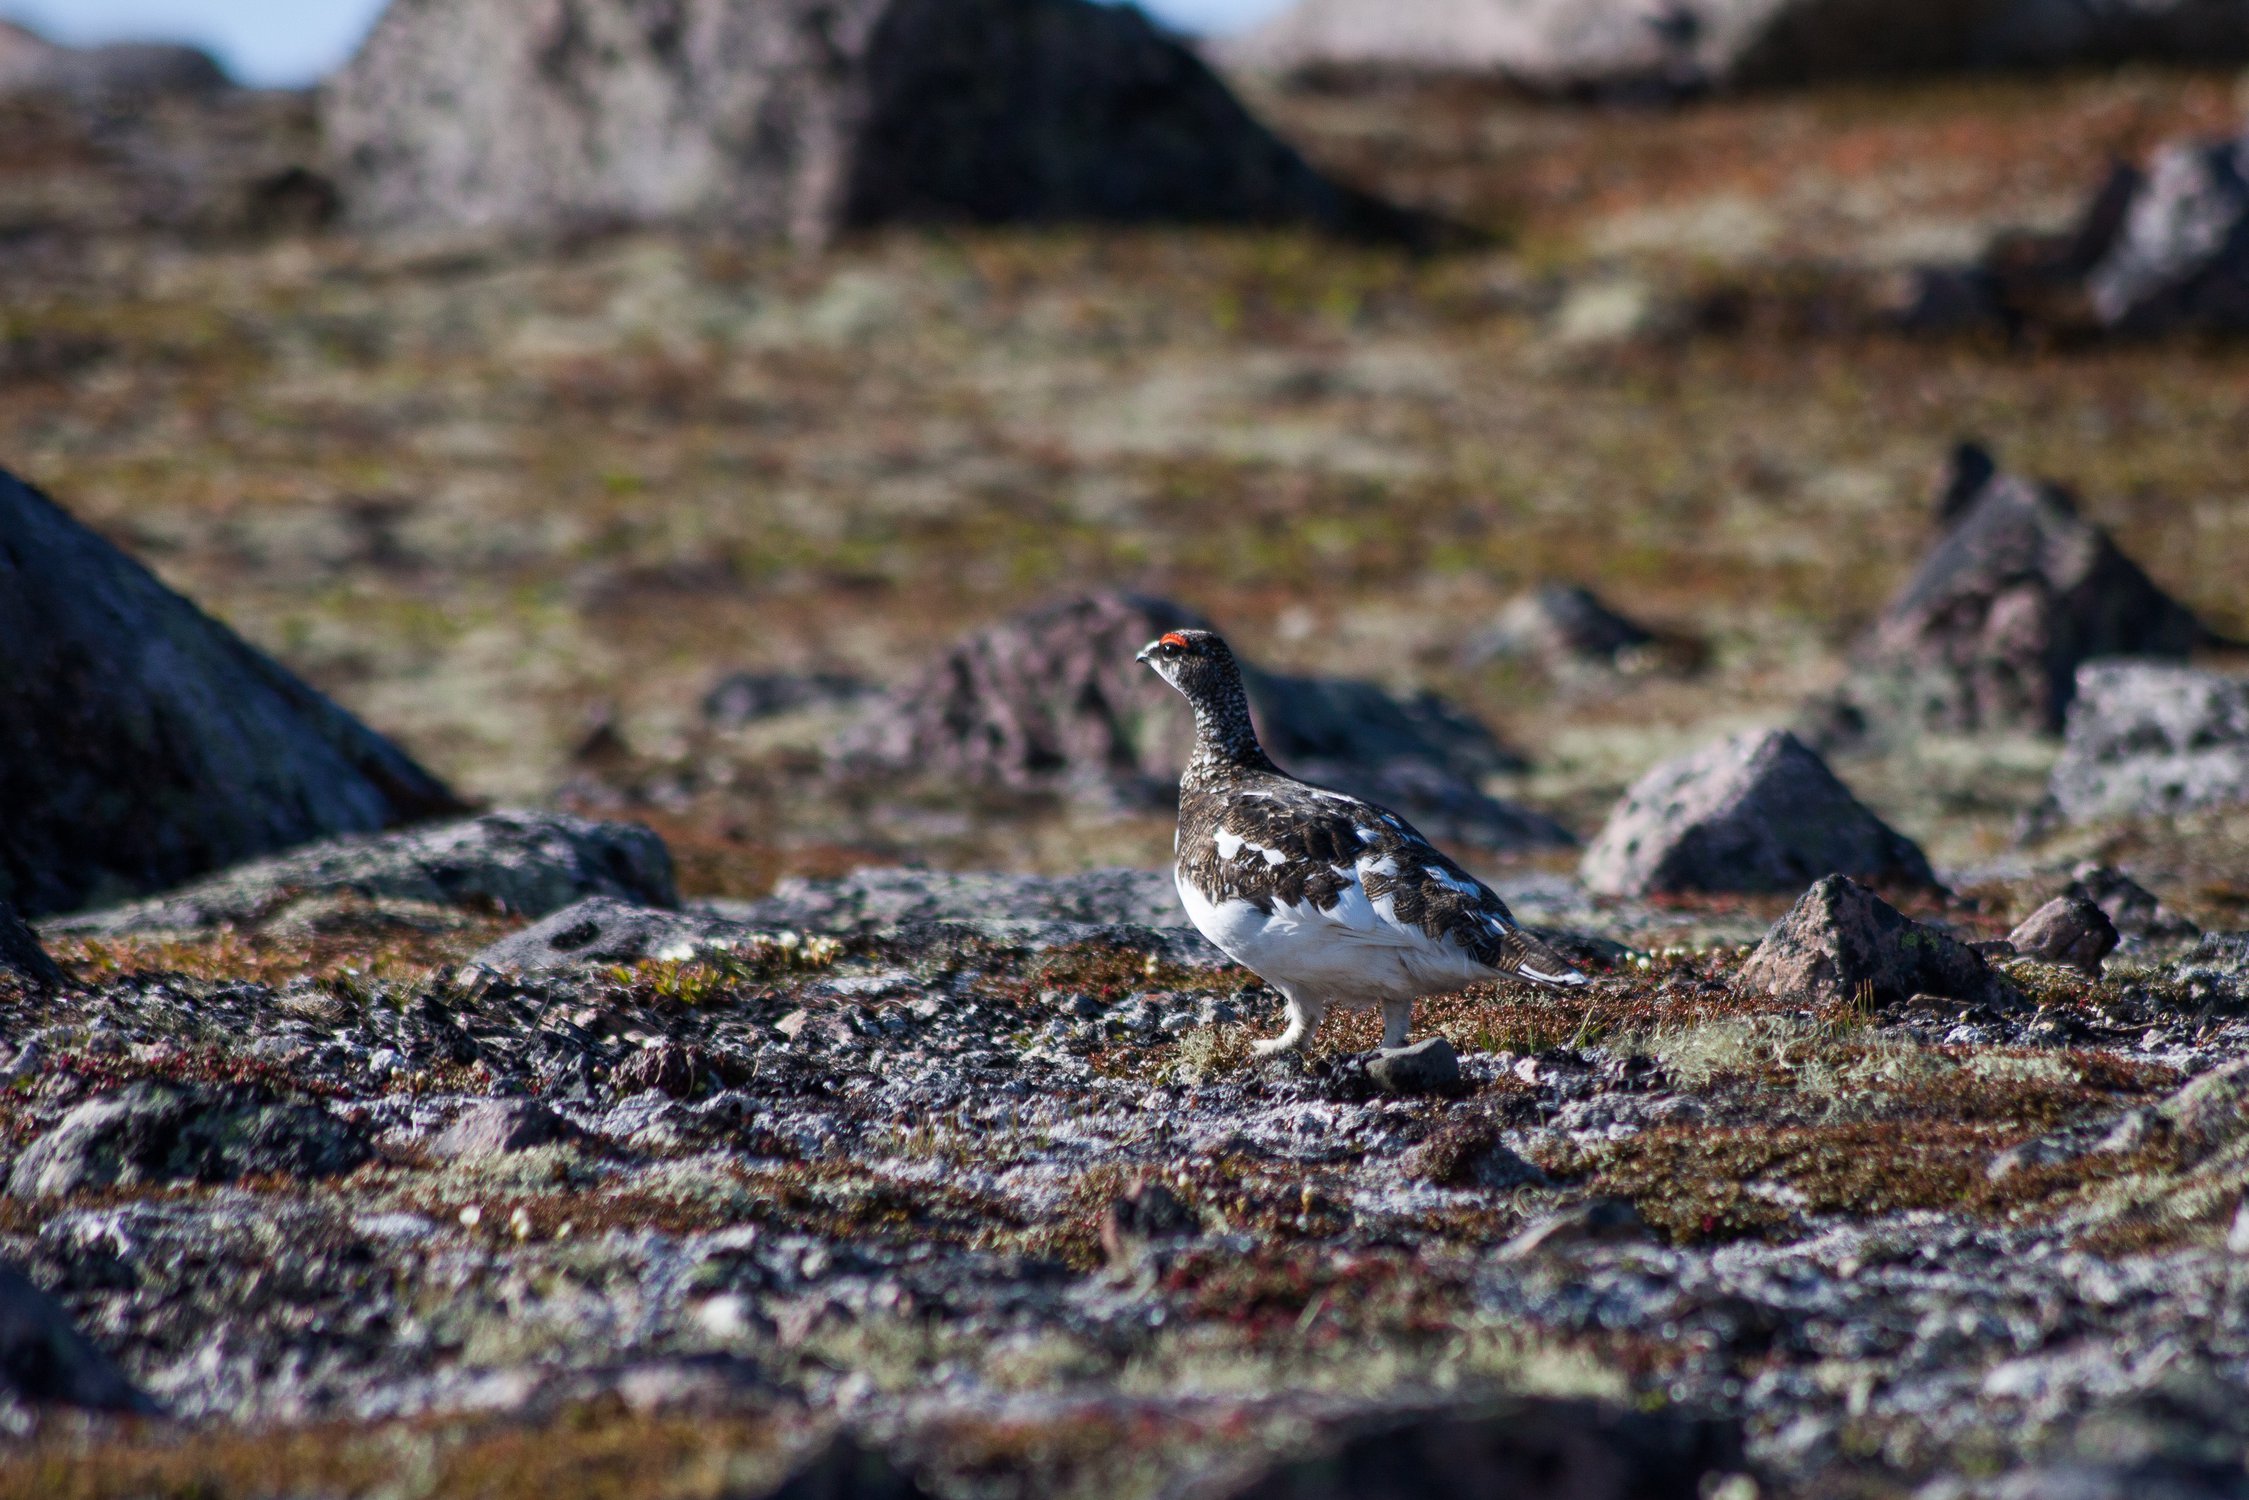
(1355, 953)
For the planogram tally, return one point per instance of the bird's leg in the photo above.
(1397, 1016)
(1304, 1018)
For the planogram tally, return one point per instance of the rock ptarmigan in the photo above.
(1330, 900)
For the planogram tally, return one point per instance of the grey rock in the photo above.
(795, 118)
(150, 1133)
(2210, 1113)
(1671, 47)
(30, 65)
(1560, 625)
(500, 1127)
(1993, 627)
(522, 861)
(2179, 256)
(2067, 930)
(1429, 1066)
(1754, 812)
(1841, 943)
(45, 1360)
(21, 957)
(1524, 1446)
(1051, 701)
(142, 743)
(2151, 739)
(874, 902)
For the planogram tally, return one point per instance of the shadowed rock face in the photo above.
(1991, 629)
(21, 957)
(1052, 700)
(2148, 739)
(44, 1359)
(1841, 943)
(800, 118)
(1756, 812)
(142, 742)
(1681, 46)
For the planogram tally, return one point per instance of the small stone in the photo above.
(792, 1025)
(500, 1127)
(2237, 1236)
(1427, 1067)
(1469, 1152)
(2067, 930)
(670, 1068)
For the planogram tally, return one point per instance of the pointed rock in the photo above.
(45, 1360)
(21, 957)
(1755, 812)
(2066, 930)
(1840, 944)
(1990, 631)
(143, 743)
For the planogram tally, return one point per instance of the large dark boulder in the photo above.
(143, 743)
(2150, 739)
(2018, 593)
(1754, 812)
(1841, 944)
(525, 862)
(1051, 700)
(1645, 47)
(21, 957)
(801, 117)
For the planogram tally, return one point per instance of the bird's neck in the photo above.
(1225, 739)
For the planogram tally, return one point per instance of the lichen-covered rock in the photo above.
(869, 903)
(605, 930)
(1640, 47)
(522, 861)
(790, 117)
(45, 1360)
(2150, 739)
(500, 1127)
(114, 71)
(21, 957)
(1842, 944)
(2179, 256)
(142, 743)
(1991, 630)
(1471, 1152)
(1051, 700)
(2068, 930)
(1754, 812)
(151, 1133)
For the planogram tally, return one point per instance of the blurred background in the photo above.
(1595, 373)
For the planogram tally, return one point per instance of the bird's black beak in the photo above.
(1143, 656)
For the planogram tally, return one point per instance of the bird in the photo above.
(1329, 899)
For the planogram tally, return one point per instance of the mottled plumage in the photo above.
(1331, 900)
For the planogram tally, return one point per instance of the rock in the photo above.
(2210, 1113)
(1429, 1066)
(31, 65)
(1599, 1221)
(1755, 812)
(1145, 1213)
(1525, 1446)
(1470, 1153)
(2180, 255)
(521, 861)
(1561, 625)
(744, 698)
(1641, 48)
(878, 902)
(45, 1360)
(1992, 628)
(149, 1133)
(843, 1470)
(668, 1068)
(802, 118)
(500, 1127)
(2131, 908)
(21, 957)
(143, 743)
(2149, 739)
(1841, 944)
(2067, 930)
(1051, 701)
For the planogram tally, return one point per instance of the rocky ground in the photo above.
(527, 1158)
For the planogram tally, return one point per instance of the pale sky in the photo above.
(277, 43)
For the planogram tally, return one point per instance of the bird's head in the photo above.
(1194, 661)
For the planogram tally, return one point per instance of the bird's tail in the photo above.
(1530, 959)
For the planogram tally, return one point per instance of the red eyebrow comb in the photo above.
(1172, 638)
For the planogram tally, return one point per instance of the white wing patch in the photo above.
(1232, 845)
